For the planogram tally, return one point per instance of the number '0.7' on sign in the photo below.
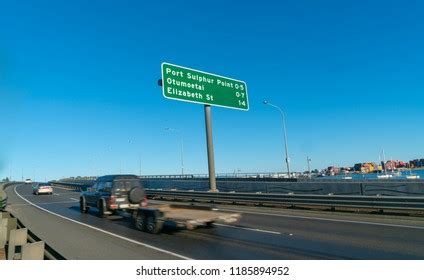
(195, 86)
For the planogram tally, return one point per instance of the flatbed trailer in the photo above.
(151, 219)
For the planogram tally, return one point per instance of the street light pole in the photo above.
(285, 135)
(181, 146)
(309, 167)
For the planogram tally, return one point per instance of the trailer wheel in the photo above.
(140, 222)
(210, 224)
(153, 225)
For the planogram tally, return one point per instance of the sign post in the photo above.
(209, 143)
(189, 85)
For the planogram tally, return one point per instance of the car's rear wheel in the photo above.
(83, 206)
(101, 209)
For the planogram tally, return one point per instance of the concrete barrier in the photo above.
(18, 238)
(4, 215)
(6, 225)
(393, 188)
(33, 251)
(21, 243)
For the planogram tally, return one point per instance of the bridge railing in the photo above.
(380, 202)
(331, 201)
(259, 176)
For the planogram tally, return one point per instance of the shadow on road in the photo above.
(125, 218)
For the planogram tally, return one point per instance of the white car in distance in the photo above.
(42, 188)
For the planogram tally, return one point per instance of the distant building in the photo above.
(390, 165)
(394, 164)
(332, 170)
(402, 164)
(416, 163)
(365, 167)
(357, 167)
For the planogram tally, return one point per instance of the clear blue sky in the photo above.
(79, 94)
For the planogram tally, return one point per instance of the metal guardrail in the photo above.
(77, 186)
(341, 187)
(297, 176)
(372, 202)
(205, 176)
(273, 175)
(3, 203)
(3, 196)
(407, 203)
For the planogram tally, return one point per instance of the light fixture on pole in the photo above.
(285, 135)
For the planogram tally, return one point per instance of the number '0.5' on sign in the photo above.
(195, 86)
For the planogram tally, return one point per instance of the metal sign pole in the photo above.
(209, 141)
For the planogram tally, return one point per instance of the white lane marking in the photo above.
(325, 219)
(104, 231)
(44, 203)
(251, 229)
(74, 199)
(63, 194)
(69, 190)
(57, 202)
(32, 195)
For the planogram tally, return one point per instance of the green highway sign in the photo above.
(195, 86)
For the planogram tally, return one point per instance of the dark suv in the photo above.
(114, 192)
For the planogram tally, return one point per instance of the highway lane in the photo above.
(261, 234)
(75, 241)
(214, 245)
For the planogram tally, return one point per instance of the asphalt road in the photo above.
(260, 234)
